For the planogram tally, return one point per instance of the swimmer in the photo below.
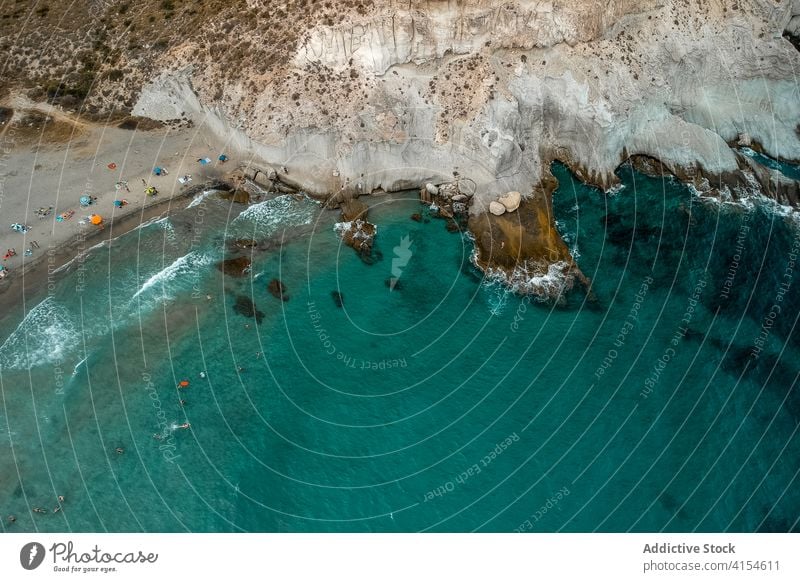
(182, 402)
(202, 374)
(61, 499)
(39, 510)
(157, 436)
(258, 354)
(208, 297)
(239, 369)
(12, 518)
(247, 326)
(119, 450)
(57, 509)
(185, 425)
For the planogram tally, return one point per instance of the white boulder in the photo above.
(496, 208)
(511, 201)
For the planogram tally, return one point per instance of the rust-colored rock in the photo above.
(525, 247)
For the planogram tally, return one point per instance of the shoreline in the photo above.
(36, 274)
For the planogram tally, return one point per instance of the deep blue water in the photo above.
(446, 404)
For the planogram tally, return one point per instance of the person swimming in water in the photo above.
(61, 499)
(202, 374)
(119, 450)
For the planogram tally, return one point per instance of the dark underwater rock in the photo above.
(277, 289)
(235, 267)
(245, 306)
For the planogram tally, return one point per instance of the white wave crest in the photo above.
(44, 336)
(187, 265)
(198, 200)
(270, 216)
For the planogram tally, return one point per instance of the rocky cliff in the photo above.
(354, 96)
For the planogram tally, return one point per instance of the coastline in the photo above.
(36, 274)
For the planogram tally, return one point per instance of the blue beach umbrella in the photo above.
(85, 201)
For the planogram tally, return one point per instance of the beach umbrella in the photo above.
(85, 200)
(118, 203)
(183, 383)
(96, 219)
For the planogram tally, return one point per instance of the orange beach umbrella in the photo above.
(96, 219)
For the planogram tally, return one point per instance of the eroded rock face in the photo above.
(507, 88)
(396, 95)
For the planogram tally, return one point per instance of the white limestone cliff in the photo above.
(410, 92)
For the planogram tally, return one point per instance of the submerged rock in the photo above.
(235, 267)
(338, 298)
(416, 217)
(240, 196)
(277, 289)
(245, 306)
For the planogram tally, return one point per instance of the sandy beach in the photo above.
(53, 165)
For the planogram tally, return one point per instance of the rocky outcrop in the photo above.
(524, 249)
(358, 234)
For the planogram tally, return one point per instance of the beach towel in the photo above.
(204, 161)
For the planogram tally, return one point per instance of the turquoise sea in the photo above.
(669, 403)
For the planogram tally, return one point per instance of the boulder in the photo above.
(432, 189)
(511, 201)
(459, 198)
(496, 208)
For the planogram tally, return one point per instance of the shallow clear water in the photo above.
(446, 404)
